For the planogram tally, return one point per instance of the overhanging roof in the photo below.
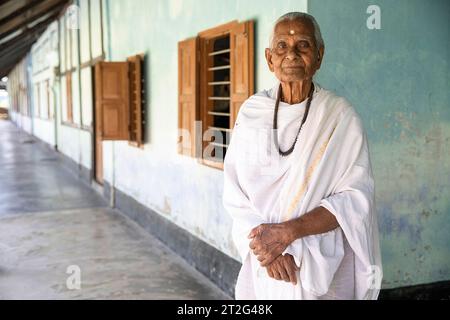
(21, 24)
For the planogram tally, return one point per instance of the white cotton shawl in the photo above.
(329, 167)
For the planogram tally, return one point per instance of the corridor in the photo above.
(52, 224)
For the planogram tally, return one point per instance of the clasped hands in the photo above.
(269, 240)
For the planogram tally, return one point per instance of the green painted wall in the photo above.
(155, 27)
(187, 193)
(398, 80)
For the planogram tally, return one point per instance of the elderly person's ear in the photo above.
(320, 54)
(269, 59)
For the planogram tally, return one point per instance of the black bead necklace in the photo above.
(275, 124)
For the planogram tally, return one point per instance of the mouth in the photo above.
(293, 70)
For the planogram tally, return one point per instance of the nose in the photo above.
(292, 54)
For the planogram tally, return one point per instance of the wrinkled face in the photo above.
(293, 55)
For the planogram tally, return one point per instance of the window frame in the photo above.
(69, 66)
(238, 32)
(204, 38)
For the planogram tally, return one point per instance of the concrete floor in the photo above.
(50, 221)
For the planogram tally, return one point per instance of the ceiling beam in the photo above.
(12, 62)
(12, 54)
(11, 7)
(9, 58)
(29, 16)
(16, 10)
(16, 51)
(5, 2)
(22, 22)
(37, 27)
(27, 41)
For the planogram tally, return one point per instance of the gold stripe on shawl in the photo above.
(308, 175)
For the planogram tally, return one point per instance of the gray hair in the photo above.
(292, 16)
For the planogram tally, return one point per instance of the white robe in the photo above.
(329, 167)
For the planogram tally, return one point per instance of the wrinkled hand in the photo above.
(283, 268)
(269, 240)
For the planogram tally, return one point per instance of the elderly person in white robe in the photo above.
(298, 182)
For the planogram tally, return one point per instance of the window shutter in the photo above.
(188, 105)
(135, 67)
(112, 99)
(242, 66)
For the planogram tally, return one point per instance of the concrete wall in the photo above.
(20, 94)
(187, 193)
(22, 121)
(44, 56)
(83, 45)
(44, 129)
(38, 66)
(47, 55)
(398, 79)
(76, 144)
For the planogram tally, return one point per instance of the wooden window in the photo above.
(69, 97)
(215, 78)
(242, 70)
(91, 51)
(112, 99)
(136, 100)
(68, 45)
(215, 95)
(85, 50)
(119, 100)
(187, 99)
(96, 34)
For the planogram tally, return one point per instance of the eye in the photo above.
(281, 45)
(303, 44)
